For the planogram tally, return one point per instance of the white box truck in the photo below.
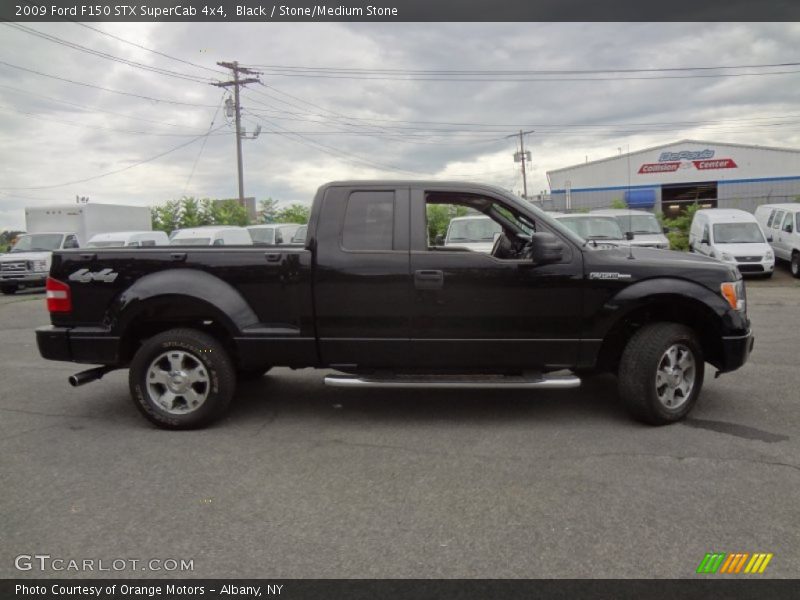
(59, 227)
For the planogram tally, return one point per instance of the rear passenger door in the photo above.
(361, 279)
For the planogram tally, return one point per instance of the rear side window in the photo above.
(369, 221)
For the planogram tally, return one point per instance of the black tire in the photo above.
(253, 374)
(644, 358)
(8, 290)
(795, 264)
(202, 356)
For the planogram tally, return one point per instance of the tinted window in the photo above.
(369, 221)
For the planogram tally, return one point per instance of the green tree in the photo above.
(679, 226)
(227, 212)
(294, 213)
(192, 213)
(166, 217)
(268, 209)
(618, 203)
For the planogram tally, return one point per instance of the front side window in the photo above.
(787, 223)
(594, 228)
(776, 222)
(265, 235)
(369, 221)
(704, 238)
(771, 216)
(641, 224)
(198, 241)
(71, 242)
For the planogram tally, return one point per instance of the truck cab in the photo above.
(27, 263)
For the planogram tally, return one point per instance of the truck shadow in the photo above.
(301, 394)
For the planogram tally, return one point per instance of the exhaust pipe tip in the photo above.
(87, 376)
(73, 381)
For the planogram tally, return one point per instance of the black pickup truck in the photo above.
(370, 295)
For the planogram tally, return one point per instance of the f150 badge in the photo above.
(86, 276)
(608, 275)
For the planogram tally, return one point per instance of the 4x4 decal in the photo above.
(85, 276)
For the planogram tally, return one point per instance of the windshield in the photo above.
(106, 244)
(738, 233)
(38, 242)
(639, 223)
(262, 236)
(593, 228)
(300, 235)
(473, 230)
(190, 242)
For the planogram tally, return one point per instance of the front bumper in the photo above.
(735, 351)
(24, 279)
(75, 344)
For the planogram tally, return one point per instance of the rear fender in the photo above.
(181, 291)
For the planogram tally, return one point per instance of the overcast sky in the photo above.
(316, 129)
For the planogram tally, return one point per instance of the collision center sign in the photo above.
(701, 160)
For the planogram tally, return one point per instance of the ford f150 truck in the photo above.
(370, 296)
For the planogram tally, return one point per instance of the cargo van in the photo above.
(732, 236)
(130, 239)
(644, 226)
(211, 236)
(781, 225)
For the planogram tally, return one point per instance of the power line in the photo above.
(99, 127)
(114, 172)
(89, 109)
(105, 89)
(525, 72)
(107, 56)
(203, 145)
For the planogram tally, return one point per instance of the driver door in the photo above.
(473, 311)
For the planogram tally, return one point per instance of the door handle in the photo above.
(273, 256)
(176, 256)
(428, 280)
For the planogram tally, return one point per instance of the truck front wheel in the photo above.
(182, 379)
(661, 373)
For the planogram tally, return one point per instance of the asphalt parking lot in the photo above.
(307, 481)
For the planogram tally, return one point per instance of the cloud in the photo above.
(320, 129)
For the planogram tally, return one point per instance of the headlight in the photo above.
(40, 265)
(733, 292)
(769, 255)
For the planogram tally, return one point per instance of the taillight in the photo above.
(59, 298)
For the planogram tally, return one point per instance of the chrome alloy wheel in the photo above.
(177, 382)
(675, 376)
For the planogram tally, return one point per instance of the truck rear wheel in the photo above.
(661, 373)
(182, 379)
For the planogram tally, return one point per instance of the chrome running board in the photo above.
(456, 381)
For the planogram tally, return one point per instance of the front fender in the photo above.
(174, 286)
(670, 291)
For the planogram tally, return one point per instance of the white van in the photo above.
(476, 233)
(122, 239)
(781, 225)
(732, 236)
(211, 236)
(647, 231)
(273, 234)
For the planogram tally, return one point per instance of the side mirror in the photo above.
(629, 235)
(769, 237)
(665, 230)
(546, 248)
(438, 240)
(788, 228)
(704, 241)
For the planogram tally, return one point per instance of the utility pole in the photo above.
(521, 157)
(236, 83)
